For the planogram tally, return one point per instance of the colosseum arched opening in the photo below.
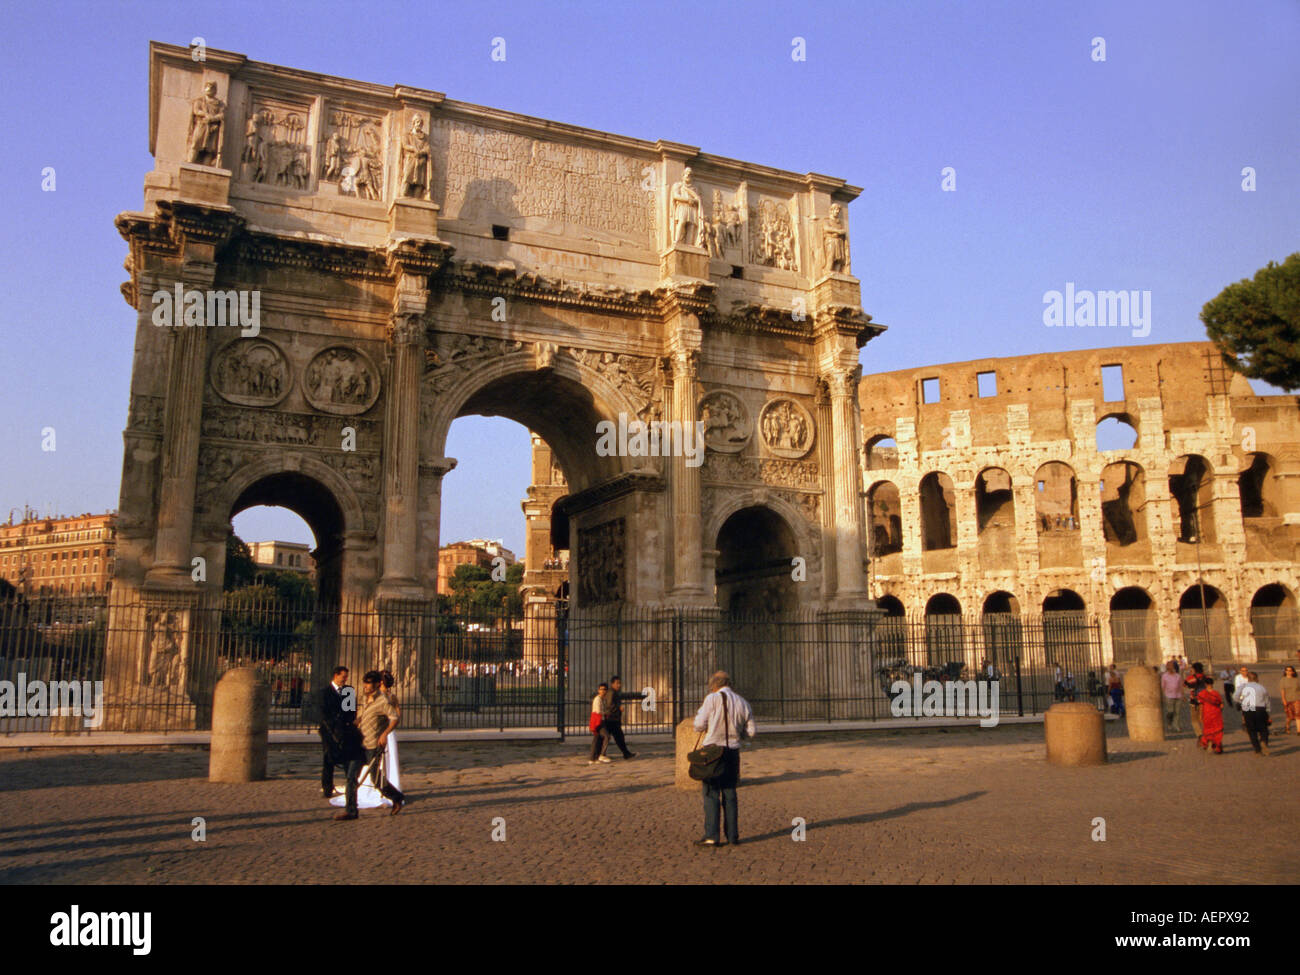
(943, 631)
(1204, 624)
(1134, 627)
(1124, 514)
(938, 523)
(1056, 514)
(995, 519)
(1274, 623)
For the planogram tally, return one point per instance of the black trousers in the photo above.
(1256, 726)
(615, 729)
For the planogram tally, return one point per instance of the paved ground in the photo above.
(956, 806)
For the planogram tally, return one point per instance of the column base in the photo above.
(170, 578)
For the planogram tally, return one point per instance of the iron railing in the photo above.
(159, 662)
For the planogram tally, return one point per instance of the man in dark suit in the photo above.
(338, 709)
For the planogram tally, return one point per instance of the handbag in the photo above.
(709, 762)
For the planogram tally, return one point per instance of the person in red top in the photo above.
(1211, 716)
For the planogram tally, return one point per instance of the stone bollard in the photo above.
(686, 735)
(1075, 734)
(1142, 705)
(241, 709)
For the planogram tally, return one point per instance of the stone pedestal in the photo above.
(207, 185)
(412, 218)
(1075, 735)
(686, 736)
(1142, 707)
(241, 709)
(685, 261)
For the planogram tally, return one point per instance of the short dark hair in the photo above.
(614, 678)
(388, 678)
(1209, 681)
(340, 669)
(602, 684)
(372, 677)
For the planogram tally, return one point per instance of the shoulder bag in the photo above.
(707, 763)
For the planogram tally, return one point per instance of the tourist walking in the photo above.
(1116, 687)
(1171, 687)
(614, 712)
(1194, 680)
(1211, 707)
(725, 719)
(337, 710)
(1225, 682)
(599, 734)
(1253, 701)
(1290, 700)
(376, 719)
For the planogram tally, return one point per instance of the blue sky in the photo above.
(1117, 174)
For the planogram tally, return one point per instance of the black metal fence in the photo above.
(159, 662)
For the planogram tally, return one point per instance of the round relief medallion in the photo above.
(341, 380)
(786, 428)
(250, 372)
(727, 426)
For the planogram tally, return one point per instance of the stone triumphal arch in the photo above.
(326, 273)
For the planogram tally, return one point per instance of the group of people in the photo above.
(606, 721)
(358, 735)
(1189, 697)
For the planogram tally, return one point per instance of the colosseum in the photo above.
(1005, 486)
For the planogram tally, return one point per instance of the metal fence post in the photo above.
(1020, 699)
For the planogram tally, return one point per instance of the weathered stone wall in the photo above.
(1099, 523)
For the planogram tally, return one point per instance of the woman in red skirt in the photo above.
(1211, 716)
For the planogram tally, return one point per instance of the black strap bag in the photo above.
(709, 762)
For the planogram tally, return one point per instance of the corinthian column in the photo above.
(847, 486)
(685, 483)
(182, 417)
(402, 457)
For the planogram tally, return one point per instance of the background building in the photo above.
(63, 555)
(476, 551)
(1001, 486)
(284, 556)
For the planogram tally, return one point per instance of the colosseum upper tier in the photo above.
(1004, 486)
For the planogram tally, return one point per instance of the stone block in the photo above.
(204, 184)
(1142, 705)
(241, 708)
(1075, 734)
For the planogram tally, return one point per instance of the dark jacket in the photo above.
(614, 709)
(338, 727)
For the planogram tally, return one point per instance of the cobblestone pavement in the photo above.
(956, 806)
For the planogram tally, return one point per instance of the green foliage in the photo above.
(473, 591)
(241, 570)
(1256, 324)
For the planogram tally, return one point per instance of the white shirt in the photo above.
(1239, 680)
(739, 717)
(1251, 696)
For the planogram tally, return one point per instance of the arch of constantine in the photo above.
(326, 273)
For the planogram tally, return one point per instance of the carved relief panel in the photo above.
(341, 380)
(277, 148)
(787, 428)
(352, 152)
(602, 559)
(250, 372)
(727, 424)
(772, 235)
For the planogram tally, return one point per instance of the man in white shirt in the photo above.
(726, 719)
(1252, 698)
